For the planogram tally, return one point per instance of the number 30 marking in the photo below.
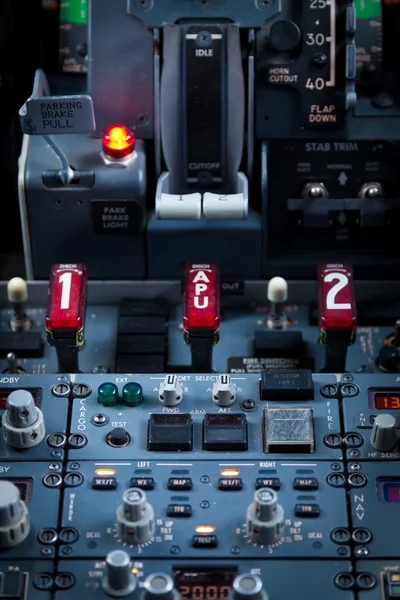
(65, 280)
(342, 281)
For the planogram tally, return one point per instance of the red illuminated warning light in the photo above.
(66, 299)
(201, 301)
(336, 298)
(118, 141)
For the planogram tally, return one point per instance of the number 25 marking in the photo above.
(65, 280)
(342, 281)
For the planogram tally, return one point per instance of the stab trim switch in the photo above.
(135, 518)
(118, 580)
(23, 422)
(277, 295)
(17, 293)
(201, 313)
(14, 517)
(265, 518)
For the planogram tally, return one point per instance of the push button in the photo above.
(274, 483)
(305, 483)
(307, 510)
(179, 510)
(104, 483)
(180, 483)
(230, 484)
(204, 541)
(170, 433)
(143, 483)
(227, 432)
(287, 385)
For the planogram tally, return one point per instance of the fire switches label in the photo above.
(116, 217)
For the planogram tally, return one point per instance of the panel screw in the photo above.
(362, 536)
(66, 550)
(319, 60)
(61, 390)
(77, 440)
(64, 581)
(336, 466)
(354, 454)
(366, 581)
(99, 419)
(205, 479)
(43, 581)
(235, 550)
(74, 466)
(357, 479)
(54, 467)
(348, 377)
(175, 550)
(248, 404)
(329, 391)
(342, 551)
(344, 581)
(349, 390)
(340, 535)
(355, 467)
(81, 390)
(56, 453)
(46, 552)
(69, 535)
(204, 504)
(333, 440)
(362, 551)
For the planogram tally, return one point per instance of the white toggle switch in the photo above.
(184, 207)
(224, 391)
(225, 206)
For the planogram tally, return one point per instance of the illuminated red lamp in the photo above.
(66, 300)
(118, 141)
(201, 303)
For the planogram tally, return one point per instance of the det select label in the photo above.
(48, 115)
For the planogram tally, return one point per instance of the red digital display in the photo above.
(65, 310)
(336, 298)
(387, 401)
(201, 302)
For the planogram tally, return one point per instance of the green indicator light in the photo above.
(368, 9)
(132, 394)
(107, 394)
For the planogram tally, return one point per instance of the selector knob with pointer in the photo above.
(159, 586)
(265, 518)
(23, 422)
(118, 580)
(384, 433)
(135, 518)
(224, 391)
(170, 393)
(248, 587)
(14, 517)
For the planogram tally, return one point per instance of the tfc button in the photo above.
(180, 483)
(310, 483)
(179, 510)
(230, 484)
(286, 385)
(204, 541)
(143, 483)
(104, 483)
(307, 510)
(274, 483)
